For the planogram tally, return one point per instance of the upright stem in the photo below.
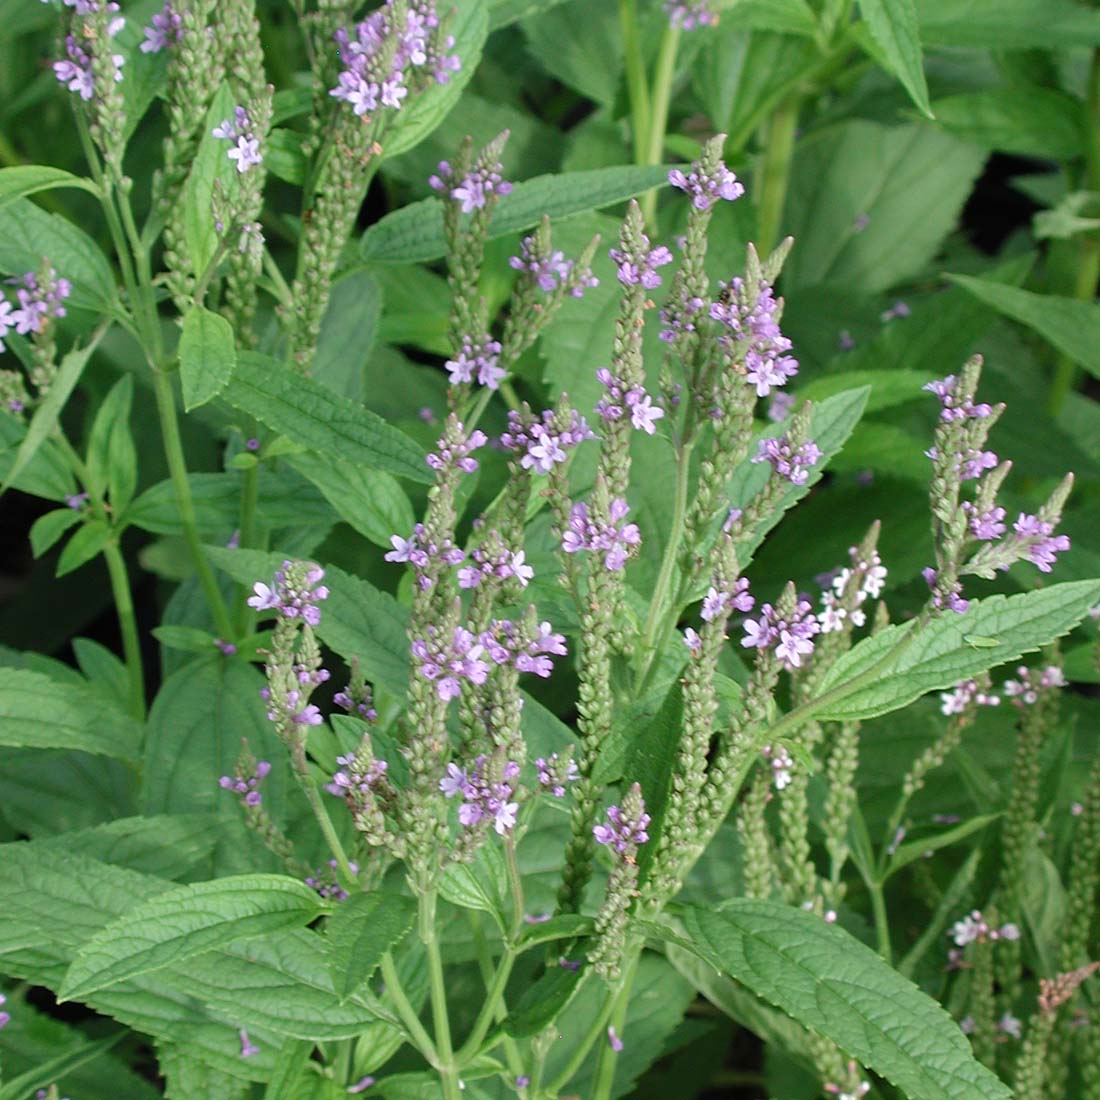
(250, 499)
(441, 1023)
(127, 624)
(658, 119)
(882, 924)
(608, 1057)
(636, 83)
(406, 1011)
(328, 830)
(1088, 258)
(177, 467)
(776, 172)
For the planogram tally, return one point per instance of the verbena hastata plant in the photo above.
(491, 819)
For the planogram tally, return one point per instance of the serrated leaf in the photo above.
(581, 44)
(938, 657)
(1008, 24)
(169, 929)
(360, 931)
(831, 983)
(504, 12)
(1071, 326)
(426, 110)
(415, 232)
(28, 179)
(893, 25)
(545, 999)
(39, 712)
(44, 1075)
(482, 884)
(207, 355)
(1031, 121)
(320, 420)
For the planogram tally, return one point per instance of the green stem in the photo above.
(882, 926)
(250, 499)
(658, 119)
(776, 171)
(490, 1009)
(1088, 259)
(441, 1024)
(608, 1058)
(127, 624)
(652, 632)
(177, 468)
(405, 1010)
(636, 83)
(597, 1031)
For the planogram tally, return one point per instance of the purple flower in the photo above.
(474, 192)
(248, 1048)
(791, 639)
(957, 700)
(707, 188)
(780, 406)
(952, 407)
(76, 71)
(781, 765)
(614, 538)
(505, 643)
(447, 661)
(543, 443)
(549, 270)
(621, 400)
(898, 309)
(678, 316)
(753, 328)
(361, 1085)
(952, 600)
(478, 359)
(164, 30)
(246, 146)
(506, 565)
(717, 603)
(39, 303)
(641, 268)
(614, 1041)
(1042, 543)
(483, 798)
(689, 14)
(621, 832)
(693, 641)
(5, 1017)
(247, 786)
(455, 448)
(556, 773)
(295, 593)
(986, 525)
(794, 464)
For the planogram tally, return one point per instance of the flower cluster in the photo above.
(963, 695)
(781, 764)
(718, 602)
(622, 830)
(505, 565)
(381, 54)
(790, 637)
(1036, 537)
(295, 593)
(478, 359)
(678, 316)
(448, 660)
(5, 1017)
(353, 777)
(40, 301)
(455, 447)
(357, 699)
(419, 551)
(476, 189)
(308, 714)
(707, 188)
(76, 71)
(1024, 692)
(326, 883)
(248, 786)
(974, 928)
(245, 151)
(483, 798)
(792, 463)
(508, 644)
(556, 772)
(622, 400)
(549, 270)
(639, 267)
(163, 31)
(689, 14)
(753, 323)
(955, 405)
(869, 574)
(542, 443)
(614, 538)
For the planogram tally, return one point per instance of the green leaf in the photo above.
(46, 415)
(44, 1075)
(85, 545)
(831, 983)
(414, 233)
(504, 12)
(938, 657)
(49, 528)
(1071, 326)
(1008, 24)
(349, 332)
(371, 501)
(207, 356)
(169, 929)
(360, 931)
(42, 713)
(426, 110)
(114, 409)
(580, 43)
(28, 235)
(210, 165)
(544, 1000)
(1031, 121)
(312, 415)
(780, 16)
(482, 884)
(27, 179)
(893, 25)
(950, 904)
(913, 850)
(565, 926)
(905, 185)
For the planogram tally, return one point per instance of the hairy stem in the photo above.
(441, 1024)
(127, 625)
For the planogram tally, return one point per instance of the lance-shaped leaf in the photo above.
(893, 26)
(207, 356)
(171, 928)
(360, 932)
(28, 179)
(830, 982)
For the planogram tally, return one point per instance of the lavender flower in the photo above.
(962, 695)
(693, 641)
(455, 448)
(781, 764)
(75, 72)
(753, 330)
(478, 358)
(1039, 538)
(707, 187)
(974, 928)
(1025, 691)
(614, 1041)
(39, 302)
(639, 268)
(506, 565)
(248, 786)
(248, 1048)
(361, 1085)
(420, 552)
(953, 406)
(246, 146)
(354, 777)
(794, 464)
(483, 798)
(678, 316)
(526, 649)
(790, 638)
(556, 773)
(952, 599)
(294, 594)
(717, 603)
(476, 189)
(164, 31)
(689, 14)
(547, 271)
(621, 831)
(622, 400)
(987, 525)
(5, 1017)
(448, 660)
(542, 444)
(780, 406)
(614, 538)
